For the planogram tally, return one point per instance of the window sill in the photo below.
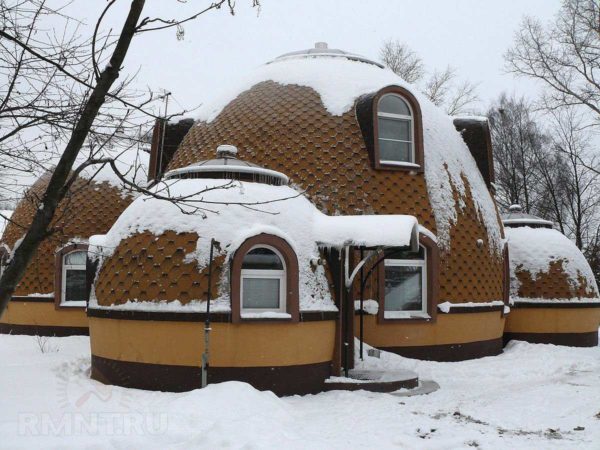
(82, 304)
(266, 315)
(394, 165)
(404, 315)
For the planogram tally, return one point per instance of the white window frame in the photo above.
(410, 314)
(280, 275)
(411, 121)
(63, 288)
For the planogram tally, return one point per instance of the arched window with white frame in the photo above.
(263, 281)
(395, 131)
(74, 290)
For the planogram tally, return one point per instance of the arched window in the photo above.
(74, 277)
(72, 286)
(263, 281)
(395, 131)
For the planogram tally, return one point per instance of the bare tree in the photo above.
(402, 60)
(580, 187)
(516, 139)
(62, 92)
(564, 56)
(441, 87)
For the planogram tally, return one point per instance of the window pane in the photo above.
(262, 259)
(76, 258)
(75, 286)
(394, 129)
(403, 288)
(393, 104)
(395, 151)
(260, 293)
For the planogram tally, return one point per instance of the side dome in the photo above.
(52, 296)
(309, 115)
(91, 208)
(553, 292)
(544, 263)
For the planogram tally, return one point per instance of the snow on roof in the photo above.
(471, 117)
(366, 230)
(339, 81)
(534, 249)
(4, 214)
(239, 210)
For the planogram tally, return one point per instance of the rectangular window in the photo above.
(75, 286)
(263, 291)
(406, 286)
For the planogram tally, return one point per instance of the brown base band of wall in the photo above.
(589, 339)
(43, 330)
(450, 352)
(283, 380)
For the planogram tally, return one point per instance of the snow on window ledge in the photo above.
(74, 304)
(408, 165)
(266, 315)
(406, 315)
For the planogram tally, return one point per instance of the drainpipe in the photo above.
(344, 316)
(207, 329)
(362, 299)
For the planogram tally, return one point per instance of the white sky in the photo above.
(471, 35)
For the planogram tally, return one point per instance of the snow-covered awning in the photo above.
(367, 231)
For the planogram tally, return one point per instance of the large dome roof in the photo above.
(339, 78)
(297, 115)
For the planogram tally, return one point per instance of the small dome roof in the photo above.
(545, 264)
(321, 49)
(517, 218)
(227, 165)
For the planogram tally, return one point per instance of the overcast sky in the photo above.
(470, 35)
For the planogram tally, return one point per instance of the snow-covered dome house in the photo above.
(51, 298)
(553, 293)
(354, 185)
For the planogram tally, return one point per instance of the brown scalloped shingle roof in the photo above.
(91, 208)
(287, 128)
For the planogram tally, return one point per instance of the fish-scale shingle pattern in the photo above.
(287, 128)
(90, 208)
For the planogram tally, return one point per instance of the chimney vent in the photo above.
(515, 208)
(226, 151)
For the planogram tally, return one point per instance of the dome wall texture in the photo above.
(287, 128)
(90, 208)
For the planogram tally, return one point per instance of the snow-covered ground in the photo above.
(532, 396)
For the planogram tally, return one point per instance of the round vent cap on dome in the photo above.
(227, 166)
(321, 49)
(517, 218)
